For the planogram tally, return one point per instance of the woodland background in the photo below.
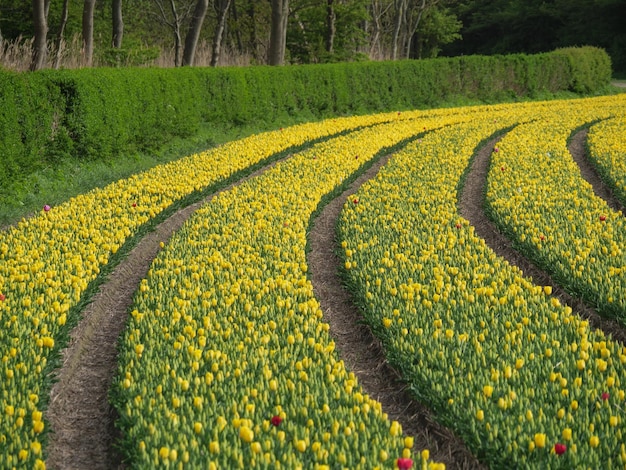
(165, 33)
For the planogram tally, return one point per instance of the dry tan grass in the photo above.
(16, 55)
(203, 57)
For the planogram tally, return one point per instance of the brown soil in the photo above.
(361, 350)
(579, 153)
(471, 208)
(79, 413)
(80, 416)
(82, 420)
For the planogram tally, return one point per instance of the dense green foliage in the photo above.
(531, 26)
(104, 113)
(112, 111)
(370, 28)
(29, 111)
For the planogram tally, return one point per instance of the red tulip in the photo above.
(605, 395)
(276, 420)
(496, 149)
(134, 204)
(404, 463)
(46, 208)
(355, 200)
(603, 218)
(560, 448)
(2, 297)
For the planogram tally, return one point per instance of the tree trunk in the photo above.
(60, 40)
(253, 32)
(278, 32)
(378, 10)
(176, 29)
(118, 24)
(237, 30)
(193, 34)
(88, 10)
(398, 24)
(413, 27)
(331, 27)
(40, 49)
(222, 14)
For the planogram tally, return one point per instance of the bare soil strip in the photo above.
(82, 420)
(471, 207)
(79, 413)
(579, 153)
(360, 349)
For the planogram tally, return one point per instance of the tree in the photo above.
(88, 10)
(507, 26)
(40, 44)
(378, 11)
(117, 24)
(438, 27)
(407, 17)
(221, 8)
(174, 21)
(60, 40)
(16, 18)
(326, 31)
(248, 28)
(278, 32)
(399, 6)
(193, 34)
(331, 27)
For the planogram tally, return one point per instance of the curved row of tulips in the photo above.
(226, 361)
(522, 379)
(607, 151)
(536, 194)
(48, 261)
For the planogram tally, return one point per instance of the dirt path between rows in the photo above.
(471, 207)
(577, 147)
(81, 418)
(360, 349)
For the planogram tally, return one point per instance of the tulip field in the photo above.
(542, 202)
(226, 360)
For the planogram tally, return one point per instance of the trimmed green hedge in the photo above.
(107, 112)
(29, 120)
(588, 67)
(110, 111)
